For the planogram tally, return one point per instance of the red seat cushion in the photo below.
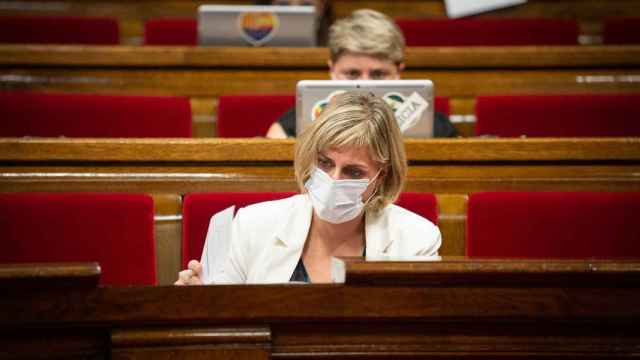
(250, 115)
(59, 30)
(84, 115)
(624, 30)
(488, 32)
(115, 230)
(171, 31)
(198, 208)
(553, 224)
(424, 204)
(558, 115)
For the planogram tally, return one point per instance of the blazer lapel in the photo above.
(377, 234)
(289, 241)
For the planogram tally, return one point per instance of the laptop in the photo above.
(411, 100)
(254, 25)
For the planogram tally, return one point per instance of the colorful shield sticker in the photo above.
(257, 28)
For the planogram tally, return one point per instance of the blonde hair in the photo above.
(357, 119)
(367, 32)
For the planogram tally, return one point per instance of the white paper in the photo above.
(216, 245)
(460, 8)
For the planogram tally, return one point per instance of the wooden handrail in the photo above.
(265, 150)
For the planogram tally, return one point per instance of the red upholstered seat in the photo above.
(171, 31)
(59, 30)
(198, 208)
(625, 30)
(488, 32)
(558, 115)
(250, 115)
(84, 115)
(116, 230)
(441, 104)
(553, 224)
(423, 204)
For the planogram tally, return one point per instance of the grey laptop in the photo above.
(411, 100)
(249, 25)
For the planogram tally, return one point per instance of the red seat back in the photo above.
(553, 224)
(198, 208)
(624, 30)
(558, 115)
(115, 230)
(423, 204)
(84, 115)
(488, 32)
(171, 31)
(250, 115)
(59, 30)
(441, 104)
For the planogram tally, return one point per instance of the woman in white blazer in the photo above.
(350, 166)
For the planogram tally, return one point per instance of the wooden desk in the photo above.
(204, 74)
(131, 15)
(452, 309)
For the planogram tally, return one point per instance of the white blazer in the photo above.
(268, 239)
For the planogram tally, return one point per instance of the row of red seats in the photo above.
(116, 230)
(418, 32)
(82, 115)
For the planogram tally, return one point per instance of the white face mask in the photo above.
(335, 201)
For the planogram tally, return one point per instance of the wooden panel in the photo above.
(451, 309)
(193, 343)
(168, 234)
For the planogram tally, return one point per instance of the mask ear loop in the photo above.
(376, 188)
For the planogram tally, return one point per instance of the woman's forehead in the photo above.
(350, 153)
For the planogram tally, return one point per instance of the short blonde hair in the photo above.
(357, 119)
(367, 32)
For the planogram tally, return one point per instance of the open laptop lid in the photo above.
(249, 25)
(411, 100)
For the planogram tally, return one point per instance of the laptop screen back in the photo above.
(411, 101)
(248, 25)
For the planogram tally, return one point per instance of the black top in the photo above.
(442, 127)
(300, 272)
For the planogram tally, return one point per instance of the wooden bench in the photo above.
(169, 168)
(454, 308)
(204, 74)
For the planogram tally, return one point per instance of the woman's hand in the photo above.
(191, 276)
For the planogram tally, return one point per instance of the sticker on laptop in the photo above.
(408, 110)
(320, 105)
(258, 27)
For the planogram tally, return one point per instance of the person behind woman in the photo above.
(350, 166)
(367, 45)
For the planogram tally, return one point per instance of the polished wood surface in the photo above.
(432, 271)
(462, 309)
(49, 275)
